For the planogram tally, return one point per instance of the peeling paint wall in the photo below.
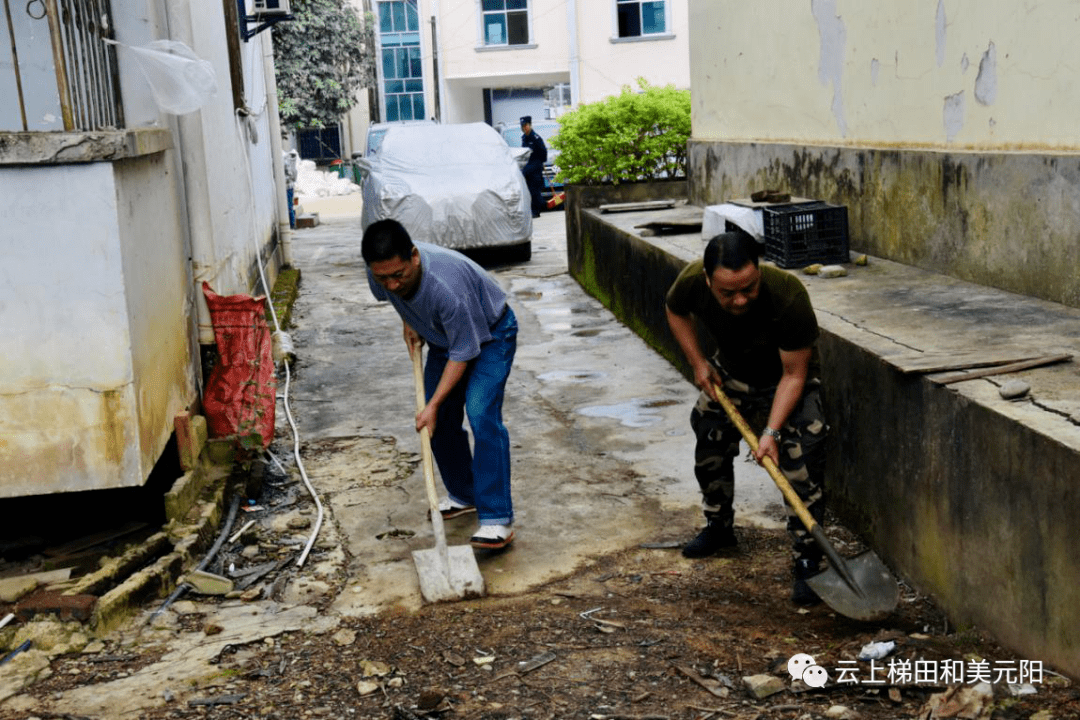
(947, 129)
(68, 417)
(103, 256)
(845, 72)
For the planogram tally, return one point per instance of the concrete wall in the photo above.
(967, 498)
(999, 219)
(107, 237)
(95, 348)
(945, 74)
(971, 505)
(917, 116)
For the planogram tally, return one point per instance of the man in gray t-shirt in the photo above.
(452, 304)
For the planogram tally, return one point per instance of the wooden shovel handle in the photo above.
(425, 447)
(781, 482)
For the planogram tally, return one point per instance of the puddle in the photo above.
(574, 376)
(629, 414)
(587, 333)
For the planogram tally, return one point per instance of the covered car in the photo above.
(455, 185)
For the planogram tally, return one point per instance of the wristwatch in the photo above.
(772, 433)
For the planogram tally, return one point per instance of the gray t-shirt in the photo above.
(455, 306)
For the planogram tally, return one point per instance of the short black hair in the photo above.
(386, 239)
(732, 250)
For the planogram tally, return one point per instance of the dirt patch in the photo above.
(641, 634)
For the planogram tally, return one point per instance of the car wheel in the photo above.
(519, 253)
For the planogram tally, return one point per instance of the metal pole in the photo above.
(15, 65)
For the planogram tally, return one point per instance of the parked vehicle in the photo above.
(546, 129)
(376, 131)
(457, 185)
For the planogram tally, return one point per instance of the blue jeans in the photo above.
(479, 477)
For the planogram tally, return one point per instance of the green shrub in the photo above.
(625, 137)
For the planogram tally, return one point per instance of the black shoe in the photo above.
(801, 592)
(711, 540)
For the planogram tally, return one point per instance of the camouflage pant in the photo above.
(802, 453)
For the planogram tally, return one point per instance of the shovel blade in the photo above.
(453, 576)
(872, 594)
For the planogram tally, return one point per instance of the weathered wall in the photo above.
(969, 500)
(1003, 220)
(629, 275)
(156, 287)
(68, 417)
(943, 74)
(973, 507)
(947, 128)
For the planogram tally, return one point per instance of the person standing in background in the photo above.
(534, 168)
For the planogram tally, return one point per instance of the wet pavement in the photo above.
(599, 424)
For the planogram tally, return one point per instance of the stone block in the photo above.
(184, 493)
(65, 607)
(762, 686)
(307, 221)
(191, 436)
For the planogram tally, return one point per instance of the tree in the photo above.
(322, 57)
(626, 137)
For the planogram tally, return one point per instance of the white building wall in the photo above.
(100, 289)
(67, 396)
(934, 73)
(467, 67)
(608, 63)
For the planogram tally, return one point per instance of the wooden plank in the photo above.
(1003, 369)
(940, 362)
(631, 206)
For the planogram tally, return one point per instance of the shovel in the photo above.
(860, 587)
(446, 573)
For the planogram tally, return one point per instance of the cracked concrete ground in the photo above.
(602, 448)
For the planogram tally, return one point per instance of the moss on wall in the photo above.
(1003, 220)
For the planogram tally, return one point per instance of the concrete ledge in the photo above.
(971, 498)
(59, 148)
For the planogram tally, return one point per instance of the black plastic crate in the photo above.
(801, 234)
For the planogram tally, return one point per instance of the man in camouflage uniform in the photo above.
(764, 327)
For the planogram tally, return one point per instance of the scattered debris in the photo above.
(876, 650)
(344, 637)
(206, 583)
(712, 685)
(842, 712)
(527, 666)
(762, 686)
(972, 702)
(1014, 390)
(832, 271)
(218, 700)
(374, 668)
(861, 260)
(812, 269)
(633, 206)
(367, 687)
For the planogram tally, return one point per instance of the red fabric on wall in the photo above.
(240, 394)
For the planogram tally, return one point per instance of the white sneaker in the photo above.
(492, 537)
(451, 509)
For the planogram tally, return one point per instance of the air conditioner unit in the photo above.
(270, 8)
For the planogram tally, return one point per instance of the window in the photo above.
(57, 73)
(506, 22)
(402, 60)
(641, 17)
